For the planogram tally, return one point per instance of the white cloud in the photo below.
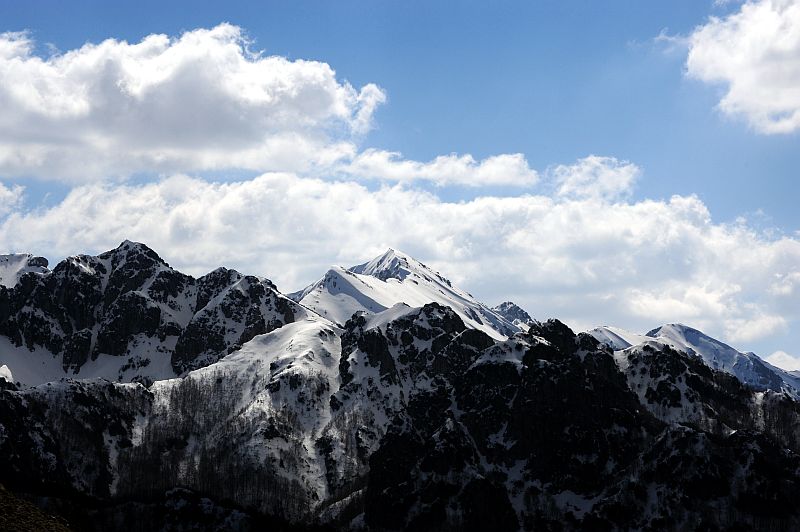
(506, 169)
(10, 198)
(586, 260)
(671, 43)
(753, 327)
(201, 101)
(755, 53)
(784, 360)
(785, 283)
(596, 178)
(725, 3)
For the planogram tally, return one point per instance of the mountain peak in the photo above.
(390, 278)
(675, 327)
(129, 250)
(513, 313)
(394, 264)
(130, 245)
(690, 337)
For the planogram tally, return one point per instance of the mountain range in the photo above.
(380, 397)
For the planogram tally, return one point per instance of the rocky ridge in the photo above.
(398, 418)
(127, 315)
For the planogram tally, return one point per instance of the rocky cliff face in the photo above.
(514, 314)
(129, 304)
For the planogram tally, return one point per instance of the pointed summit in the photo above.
(391, 278)
(514, 313)
(695, 342)
(390, 264)
(127, 246)
(394, 264)
(136, 253)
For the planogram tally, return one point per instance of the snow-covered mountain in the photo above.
(747, 367)
(392, 278)
(127, 315)
(387, 421)
(379, 398)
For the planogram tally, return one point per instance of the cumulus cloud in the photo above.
(201, 101)
(10, 198)
(754, 53)
(785, 283)
(784, 360)
(582, 259)
(595, 177)
(753, 327)
(501, 170)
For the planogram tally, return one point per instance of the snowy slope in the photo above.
(277, 385)
(38, 366)
(716, 354)
(617, 338)
(393, 278)
(310, 400)
(747, 367)
(12, 267)
(5, 373)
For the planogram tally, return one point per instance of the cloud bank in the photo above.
(784, 360)
(596, 178)
(498, 170)
(201, 101)
(754, 53)
(580, 257)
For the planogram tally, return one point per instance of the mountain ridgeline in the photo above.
(382, 397)
(128, 310)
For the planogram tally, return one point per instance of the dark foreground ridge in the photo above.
(407, 420)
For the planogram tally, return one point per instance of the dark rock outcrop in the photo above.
(128, 302)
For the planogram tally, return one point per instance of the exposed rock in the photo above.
(128, 301)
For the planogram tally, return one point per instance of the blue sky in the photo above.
(687, 212)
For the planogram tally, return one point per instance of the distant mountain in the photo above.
(747, 367)
(515, 314)
(379, 398)
(392, 278)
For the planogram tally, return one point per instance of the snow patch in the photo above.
(14, 266)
